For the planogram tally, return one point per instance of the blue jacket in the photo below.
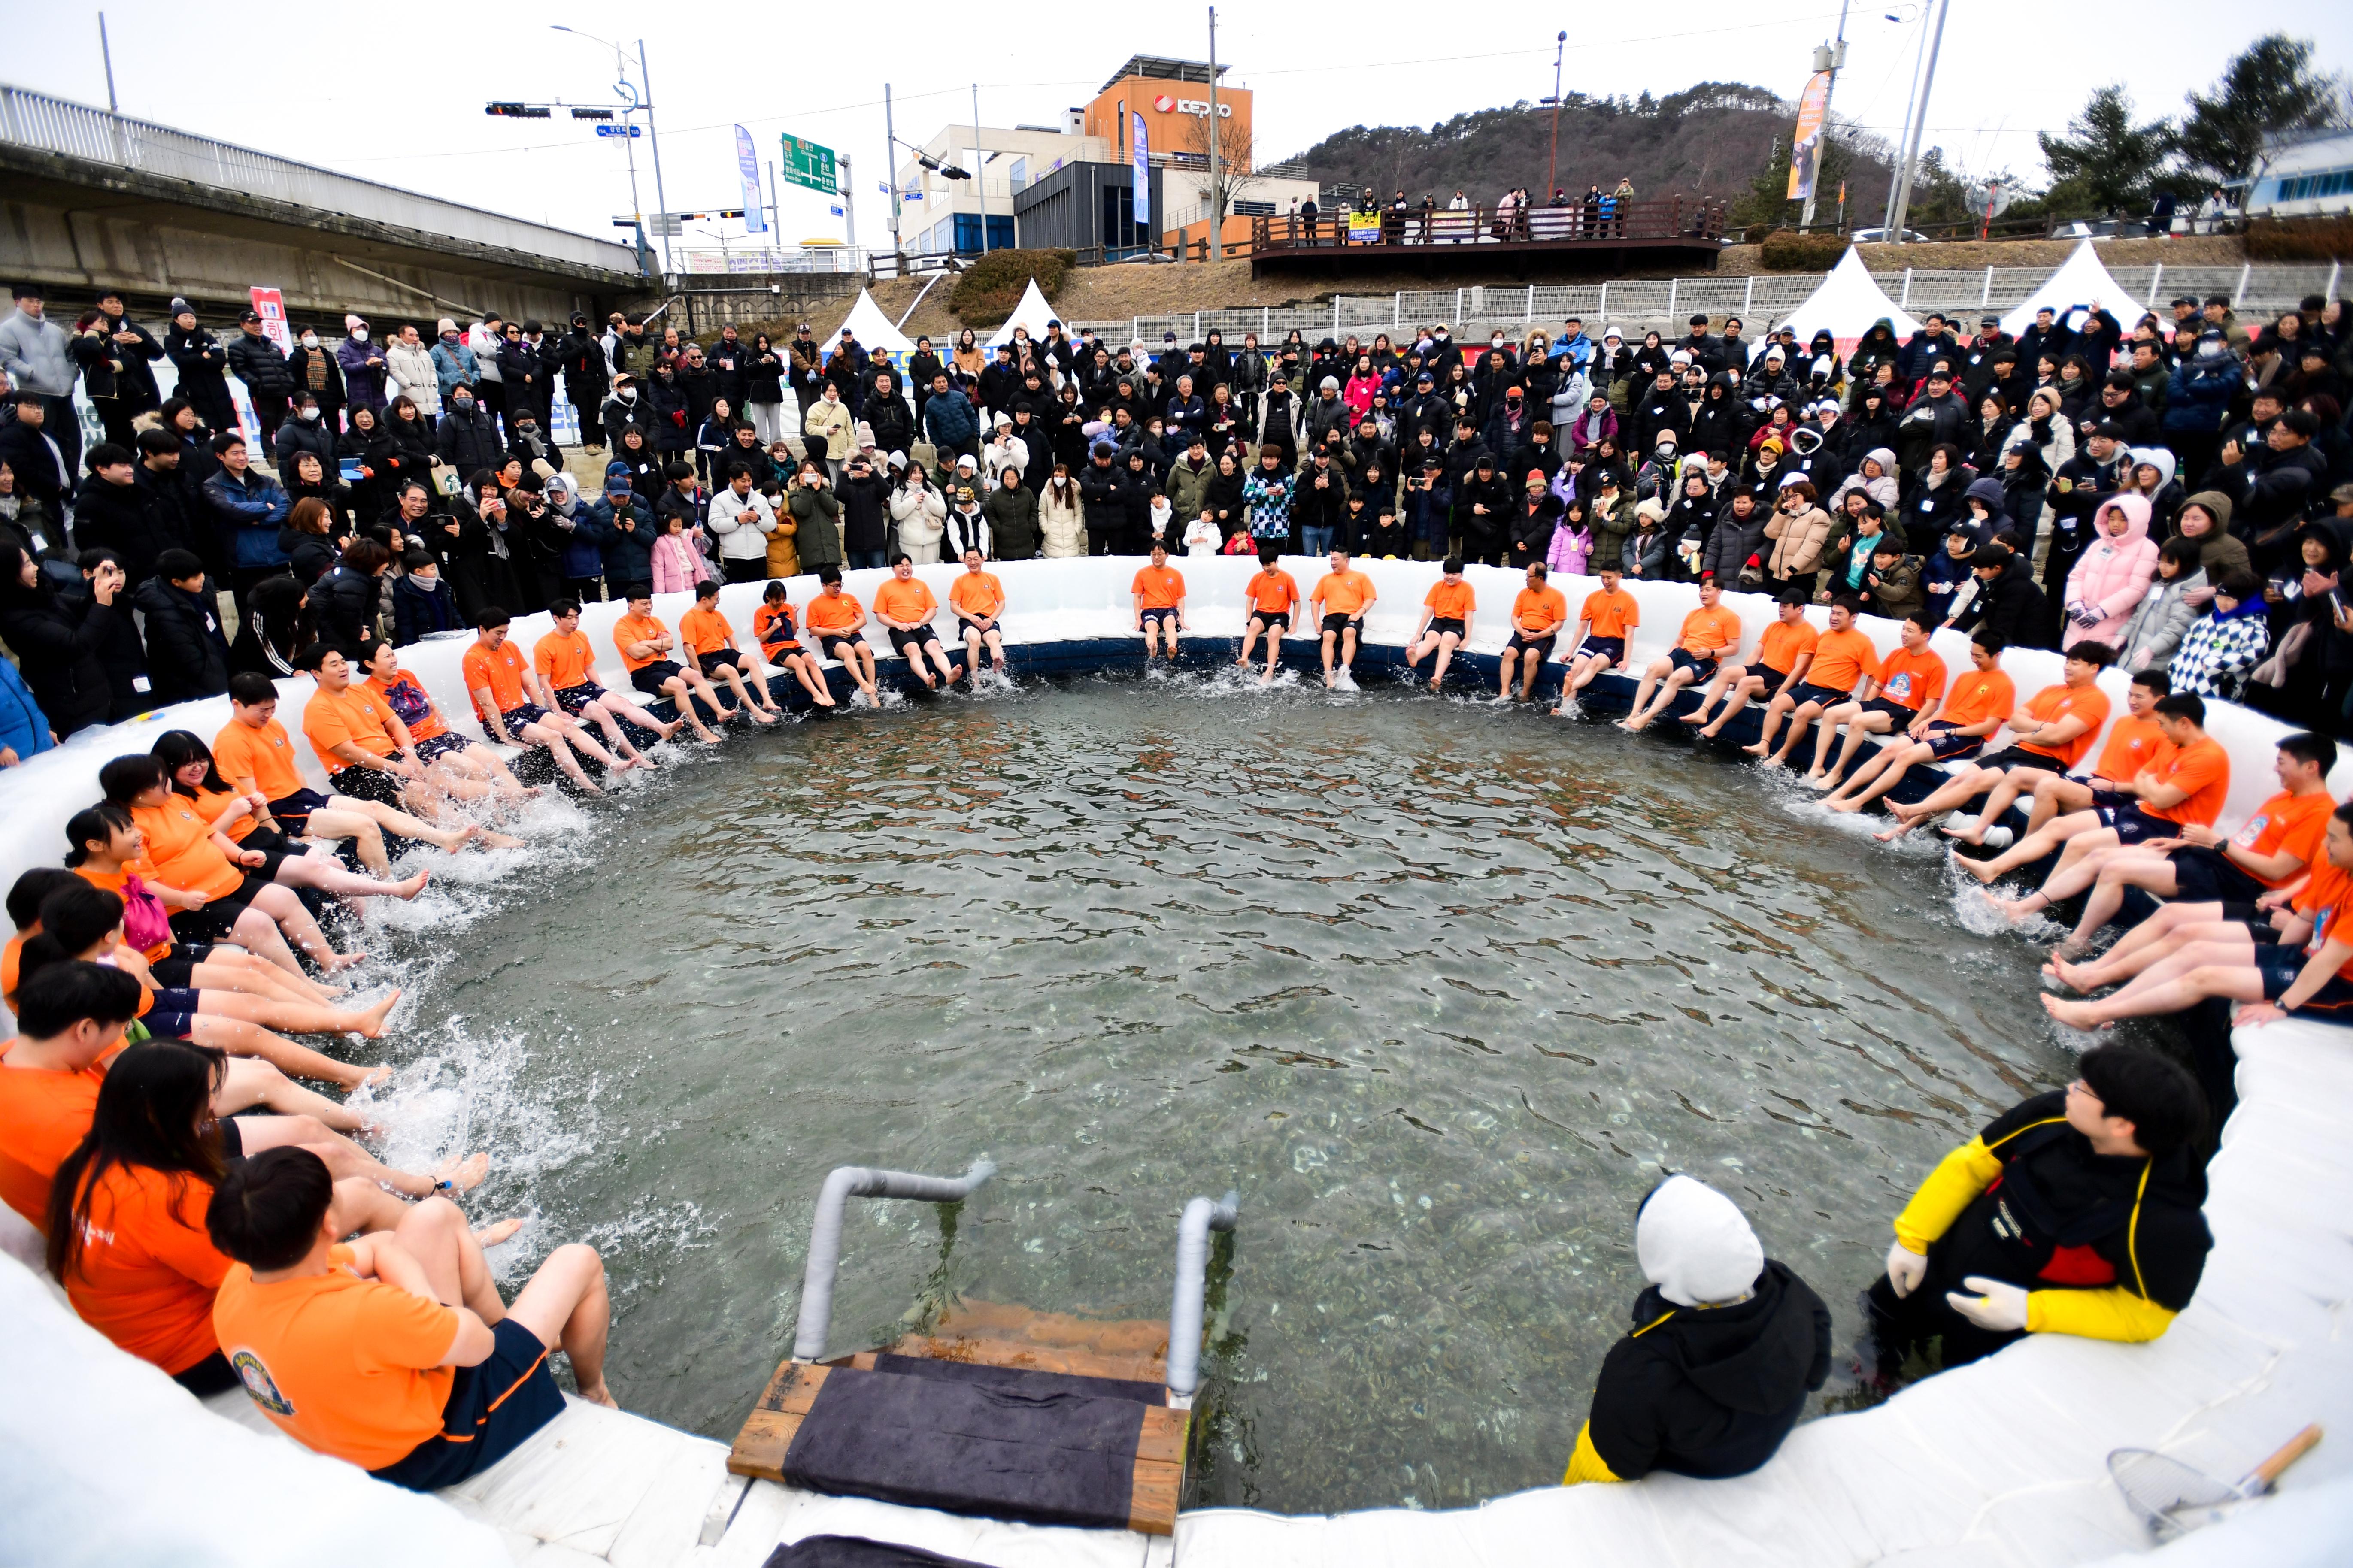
(949, 419)
(2197, 395)
(1425, 514)
(251, 511)
(1579, 350)
(453, 365)
(584, 545)
(24, 728)
(629, 557)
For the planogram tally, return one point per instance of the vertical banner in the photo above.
(271, 303)
(1805, 146)
(747, 163)
(1143, 174)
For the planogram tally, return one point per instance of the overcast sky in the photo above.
(396, 92)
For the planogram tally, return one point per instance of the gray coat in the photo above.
(2156, 627)
(35, 354)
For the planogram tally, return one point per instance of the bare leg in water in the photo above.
(327, 874)
(228, 969)
(566, 1304)
(297, 1017)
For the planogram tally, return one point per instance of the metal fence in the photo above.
(1640, 305)
(47, 125)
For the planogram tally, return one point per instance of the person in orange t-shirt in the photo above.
(1603, 622)
(1538, 612)
(778, 630)
(1269, 596)
(1907, 681)
(835, 620)
(1784, 654)
(566, 662)
(1709, 634)
(905, 604)
(2307, 972)
(1844, 666)
(646, 646)
(515, 710)
(393, 1351)
(1447, 611)
(72, 1015)
(978, 600)
(2186, 784)
(1977, 704)
(2135, 743)
(2055, 729)
(708, 637)
(1159, 594)
(1343, 596)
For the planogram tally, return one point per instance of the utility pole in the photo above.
(1895, 174)
(646, 81)
(1217, 171)
(1830, 60)
(1552, 164)
(775, 223)
(891, 168)
(849, 205)
(979, 169)
(106, 53)
(1920, 120)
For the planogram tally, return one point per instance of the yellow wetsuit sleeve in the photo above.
(1585, 1464)
(2115, 1313)
(1951, 1187)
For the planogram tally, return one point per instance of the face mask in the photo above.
(359, 334)
(527, 428)
(461, 404)
(629, 394)
(310, 340)
(308, 413)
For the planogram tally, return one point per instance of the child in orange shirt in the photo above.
(1446, 615)
(712, 641)
(778, 630)
(1269, 596)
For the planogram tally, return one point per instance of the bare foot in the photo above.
(1772, 762)
(956, 673)
(761, 717)
(2074, 1015)
(2016, 910)
(646, 763)
(725, 714)
(409, 887)
(341, 961)
(1433, 686)
(824, 700)
(1840, 806)
(375, 1075)
(602, 1396)
(497, 1231)
(588, 786)
(1981, 870)
(464, 1174)
(1969, 832)
(371, 1024)
(2071, 975)
(705, 736)
(464, 836)
(1817, 779)
(1890, 834)
(1697, 716)
(672, 727)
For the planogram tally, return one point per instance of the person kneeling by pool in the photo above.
(2075, 1212)
(393, 1350)
(1726, 1345)
(905, 604)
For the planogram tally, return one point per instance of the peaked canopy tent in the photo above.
(1847, 302)
(876, 332)
(2080, 280)
(1033, 312)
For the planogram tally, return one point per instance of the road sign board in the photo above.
(630, 131)
(809, 166)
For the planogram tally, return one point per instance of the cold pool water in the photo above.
(1442, 989)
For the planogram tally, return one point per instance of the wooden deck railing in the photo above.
(1665, 219)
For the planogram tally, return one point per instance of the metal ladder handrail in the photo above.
(1201, 1217)
(843, 1184)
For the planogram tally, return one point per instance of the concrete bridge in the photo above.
(91, 200)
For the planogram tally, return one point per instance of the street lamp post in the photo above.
(634, 100)
(1552, 165)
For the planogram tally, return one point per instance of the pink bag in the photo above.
(145, 923)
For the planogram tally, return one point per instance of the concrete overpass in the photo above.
(91, 200)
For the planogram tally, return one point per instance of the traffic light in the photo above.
(945, 171)
(592, 114)
(516, 110)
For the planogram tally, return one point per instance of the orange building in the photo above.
(1173, 96)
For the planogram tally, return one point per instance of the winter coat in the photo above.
(133, 382)
(949, 420)
(2198, 396)
(865, 512)
(1572, 546)
(468, 442)
(2221, 553)
(921, 516)
(740, 541)
(131, 520)
(1612, 526)
(668, 406)
(362, 381)
(416, 610)
(620, 415)
(818, 513)
(1012, 514)
(1933, 504)
(453, 364)
(413, 372)
(2156, 625)
(2219, 652)
(1798, 540)
(24, 728)
(968, 530)
(249, 510)
(203, 366)
(1897, 592)
(831, 423)
(1188, 487)
(59, 643)
(2112, 576)
(318, 372)
(187, 654)
(1533, 525)
(254, 360)
(37, 356)
(1731, 543)
(342, 609)
(2012, 606)
(678, 562)
(1882, 490)
(1061, 523)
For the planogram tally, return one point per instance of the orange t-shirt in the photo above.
(1980, 694)
(342, 1364)
(562, 661)
(1611, 614)
(2297, 824)
(2203, 768)
(1911, 679)
(500, 669)
(1841, 660)
(1707, 633)
(356, 715)
(2133, 744)
(12, 965)
(2326, 899)
(1538, 612)
(264, 756)
(1159, 587)
(2053, 703)
(1270, 593)
(1345, 593)
(1450, 601)
(835, 614)
(211, 803)
(705, 631)
(44, 1116)
(636, 629)
(180, 848)
(910, 601)
(1784, 643)
(977, 594)
(148, 1269)
(776, 627)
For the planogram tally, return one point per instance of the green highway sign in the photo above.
(807, 164)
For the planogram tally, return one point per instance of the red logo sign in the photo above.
(1164, 103)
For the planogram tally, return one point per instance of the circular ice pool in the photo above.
(1442, 989)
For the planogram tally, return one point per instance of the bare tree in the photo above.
(1232, 171)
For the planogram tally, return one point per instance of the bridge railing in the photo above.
(37, 121)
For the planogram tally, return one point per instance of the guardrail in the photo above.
(47, 125)
(1660, 220)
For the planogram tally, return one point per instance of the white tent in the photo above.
(876, 333)
(2081, 280)
(1033, 312)
(1846, 304)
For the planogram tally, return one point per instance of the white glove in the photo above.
(1996, 1305)
(1905, 1268)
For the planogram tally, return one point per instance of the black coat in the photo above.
(133, 520)
(2011, 607)
(255, 360)
(468, 442)
(1102, 496)
(58, 644)
(187, 653)
(203, 365)
(342, 607)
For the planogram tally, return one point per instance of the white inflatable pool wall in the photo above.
(103, 1460)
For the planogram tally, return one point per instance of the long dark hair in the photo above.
(96, 824)
(156, 1110)
(176, 749)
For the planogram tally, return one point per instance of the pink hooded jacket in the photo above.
(2113, 577)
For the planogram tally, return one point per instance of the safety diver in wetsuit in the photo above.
(1726, 1345)
(2075, 1212)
